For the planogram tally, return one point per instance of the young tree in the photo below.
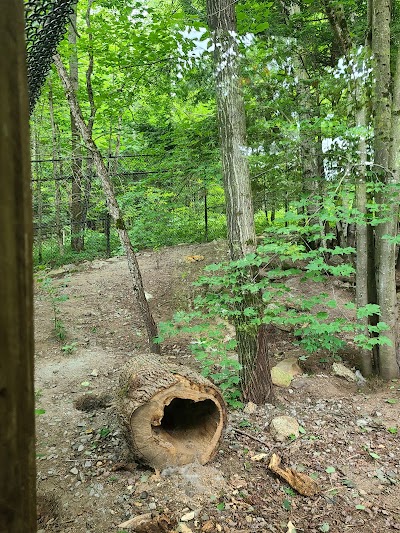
(77, 240)
(112, 204)
(56, 170)
(17, 435)
(252, 344)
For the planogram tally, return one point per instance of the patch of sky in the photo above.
(357, 67)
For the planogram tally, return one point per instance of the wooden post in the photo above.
(17, 433)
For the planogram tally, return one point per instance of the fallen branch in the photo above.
(236, 430)
(299, 481)
(148, 523)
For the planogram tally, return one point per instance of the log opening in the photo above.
(189, 422)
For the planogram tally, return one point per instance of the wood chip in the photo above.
(149, 523)
(194, 258)
(259, 457)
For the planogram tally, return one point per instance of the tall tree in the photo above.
(386, 161)
(252, 345)
(56, 170)
(17, 435)
(77, 238)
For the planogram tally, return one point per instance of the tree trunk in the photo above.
(172, 415)
(39, 196)
(17, 415)
(237, 186)
(77, 238)
(112, 205)
(383, 146)
(362, 242)
(56, 171)
(205, 216)
(87, 182)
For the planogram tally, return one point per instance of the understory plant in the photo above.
(281, 258)
(55, 299)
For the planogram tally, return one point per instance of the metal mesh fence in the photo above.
(45, 25)
(51, 184)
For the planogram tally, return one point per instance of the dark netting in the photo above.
(45, 25)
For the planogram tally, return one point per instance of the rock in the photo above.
(250, 408)
(74, 471)
(259, 457)
(299, 383)
(57, 273)
(343, 372)
(188, 516)
(282, 427)
(183, 528)
(283, 373)
(361, 381)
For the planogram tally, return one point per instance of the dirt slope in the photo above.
(86, 479)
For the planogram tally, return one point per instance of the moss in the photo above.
(120, 224)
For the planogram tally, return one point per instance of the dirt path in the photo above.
(81, 486)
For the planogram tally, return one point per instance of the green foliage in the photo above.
(228, 291)
(55, 298)
(69, 348)
(324, 527)
(211, 349)
(95, 248)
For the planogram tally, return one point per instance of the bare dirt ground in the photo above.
(88, 483)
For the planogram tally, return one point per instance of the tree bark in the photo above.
(56, 171)
(112, 205)
(39, 196)
(17, 435)
(77, 235)
(362, 297)
(87, 182)
(256, 386)
(383, 148)
(172, 415)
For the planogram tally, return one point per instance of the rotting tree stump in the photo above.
(172, 415)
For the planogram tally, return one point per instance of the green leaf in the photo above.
(324, 527)
(289, 491)
(374, 455)
(287, 504)
(391, 401)
(393, 430)
(330, 469)
(360, 507)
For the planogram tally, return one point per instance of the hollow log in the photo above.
(172, 415)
